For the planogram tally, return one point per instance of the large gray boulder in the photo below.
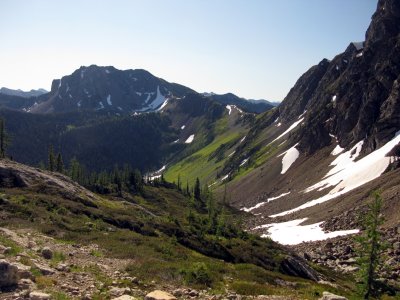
(8, 274)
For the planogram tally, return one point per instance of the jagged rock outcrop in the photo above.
(356, 95)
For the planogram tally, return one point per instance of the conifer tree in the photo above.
(60, 163)
(3, 139)
(371, 247)
(197, 190)
(51, 159)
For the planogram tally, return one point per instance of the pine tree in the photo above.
(371, 247)
(179, 182)
(60, 164)
(51, 159)
(197, 190)
(3, 139)
(187, 188)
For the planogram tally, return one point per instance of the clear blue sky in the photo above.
(253, 48)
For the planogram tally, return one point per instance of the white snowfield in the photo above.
(294, 125)
(189, 139)
(292, 233)
(348, 174)
(264, 202)
(229, 108)
(183, 127)
(158, 101)
(109, 100)
(337, 150)
(289, 158)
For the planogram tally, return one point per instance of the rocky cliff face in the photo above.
(355, 96)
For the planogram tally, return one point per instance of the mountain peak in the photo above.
(384, 24)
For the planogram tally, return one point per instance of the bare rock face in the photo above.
(355, 96)
(8, 274)
(47, 253)
(330, 296)
(159, 295)
(296, 267)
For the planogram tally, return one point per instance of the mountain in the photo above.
(248, 105)
(315, 158)
(106, 88)
(20, 93)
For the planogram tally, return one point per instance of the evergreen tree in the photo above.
(187, 188)
(136, 181)
(179, 182)
(3, 139)
(74, 169)
(197, 190)
(51, 160)
(371, 247)
(60, 163)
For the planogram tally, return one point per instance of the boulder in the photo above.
(39, 296)
(45, 270)
(330, 296)
(116, 291)
(125, 297)
(47, 253)
(8, 274)
(159, 295)
(298, 267)
(23, 271)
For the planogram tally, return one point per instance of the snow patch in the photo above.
(183, 127)
(292, 233)
(231, 154)
(334, 98)
(348, 175)
(337, 150)
(289, 158)
(229, 108)
(242, 140)
(244, 161)
(359, 54)
(294, 125)
(279, 124)
(158, 101)
(109, 100)
(107, 71)
(264, 202)
(138, 93)
(163, 105)
(189, 139)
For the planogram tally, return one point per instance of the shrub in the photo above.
(198, 274)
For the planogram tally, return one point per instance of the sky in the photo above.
(253, 48)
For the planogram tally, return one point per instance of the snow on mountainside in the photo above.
(332, 141)
(106, 88)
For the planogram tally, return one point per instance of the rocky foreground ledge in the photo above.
(38, 267)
